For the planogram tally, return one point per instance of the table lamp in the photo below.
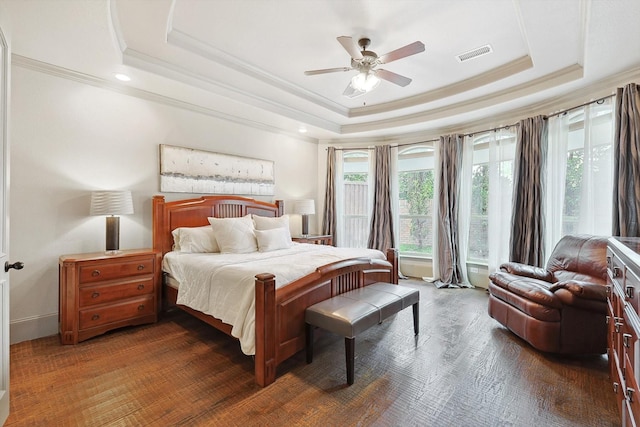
(112, 203)
(305, 208)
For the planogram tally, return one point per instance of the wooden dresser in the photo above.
(100, 292)
(623, 291)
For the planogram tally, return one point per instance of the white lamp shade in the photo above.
(305, 207)
(111, 203)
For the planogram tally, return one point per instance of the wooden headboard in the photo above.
(167, 216)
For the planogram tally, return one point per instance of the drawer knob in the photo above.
(141, 307)
(625, 339)
(629, 394)
(95, 317)
(95, 273)
(140, 287)
(141, 267)
(95, 295)
(617, 272)
(617, 326)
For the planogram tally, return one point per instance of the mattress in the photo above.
(223, 285)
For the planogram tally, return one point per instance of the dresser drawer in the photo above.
(101, 315)
(99, 294)
(615, 269)
(632, 288)
(92, 273)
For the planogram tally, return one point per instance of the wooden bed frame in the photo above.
(279, 317)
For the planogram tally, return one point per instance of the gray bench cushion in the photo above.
(355, 311)
(409, 296)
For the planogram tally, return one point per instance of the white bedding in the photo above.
(223, 285)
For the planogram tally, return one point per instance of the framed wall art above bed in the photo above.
(186, 170)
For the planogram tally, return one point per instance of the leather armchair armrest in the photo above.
(531, 289)
(525, 270)
(584, 295)
(584, 290)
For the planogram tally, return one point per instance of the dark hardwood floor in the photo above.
(463, 369)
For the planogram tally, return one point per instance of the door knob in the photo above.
(17, 265)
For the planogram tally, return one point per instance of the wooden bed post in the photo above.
(392, 257)
(265, 363)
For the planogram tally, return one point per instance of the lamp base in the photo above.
(113, 235)
(305, 225)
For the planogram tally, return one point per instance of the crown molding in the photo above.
(559, 77)
(488, 77)
(571, 99)
(78, 77)
(171, 71)
(182, 40)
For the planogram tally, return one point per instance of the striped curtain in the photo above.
(329, 214)
(381, 230)
(448, 246)
(626, 186)
(527, 219)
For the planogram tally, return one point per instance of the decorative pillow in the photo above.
(268, 223)
(234, 235)
(194, 239)
(271, 240)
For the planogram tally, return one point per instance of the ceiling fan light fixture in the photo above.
(365, 81)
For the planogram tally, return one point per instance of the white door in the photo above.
(4, 238)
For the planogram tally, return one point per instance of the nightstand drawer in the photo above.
(107, 271)
(99, 294)
(101, 315)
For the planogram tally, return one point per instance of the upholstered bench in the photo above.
(355, 311)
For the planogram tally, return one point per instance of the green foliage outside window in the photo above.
(416, 189)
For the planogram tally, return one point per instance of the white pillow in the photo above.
(268, 223)
(234, 235)
(276, 238)
(194, 239)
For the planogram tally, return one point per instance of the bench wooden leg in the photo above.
(350, 351)
(416, 319)
(309, 342)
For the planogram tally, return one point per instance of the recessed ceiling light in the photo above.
(302, 129)
(122, 77)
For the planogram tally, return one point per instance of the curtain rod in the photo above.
(559, 113)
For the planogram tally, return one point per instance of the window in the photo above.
(415, 209)
(588, 171)
(579, 173)
(491, 194)
(356, 196)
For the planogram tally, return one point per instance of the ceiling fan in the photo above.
(366, 62)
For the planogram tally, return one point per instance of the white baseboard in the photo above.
(34, 327)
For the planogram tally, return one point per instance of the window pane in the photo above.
(416, 180)
(356, 203)
(491, 192)
(479, 223)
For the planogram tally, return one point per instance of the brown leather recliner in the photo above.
(560, 309)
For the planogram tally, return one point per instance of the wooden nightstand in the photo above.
(324, 239)
(100, 292)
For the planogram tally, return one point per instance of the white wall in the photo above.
(69, 138)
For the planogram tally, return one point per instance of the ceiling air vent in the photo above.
(474, 53)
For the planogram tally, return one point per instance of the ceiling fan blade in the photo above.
(408, 50)
(327, 70)
(350, 92)
(393, 77)
(350, 46)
